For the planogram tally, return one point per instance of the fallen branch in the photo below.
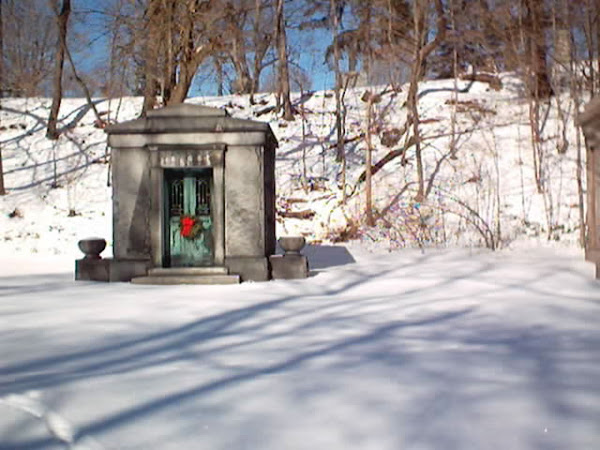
(492, 79)
(264, 111)
(305, 214)
(348, 140)
(399, 152)
(386, 159)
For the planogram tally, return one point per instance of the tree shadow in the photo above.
(45, 162)
(68, 167)
(73, 117)
(77, 115)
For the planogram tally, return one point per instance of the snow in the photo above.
(453, 349)
(412, 336)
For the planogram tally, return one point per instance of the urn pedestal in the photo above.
(292, 264)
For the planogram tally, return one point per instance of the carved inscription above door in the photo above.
(180, 158)
(189, 158)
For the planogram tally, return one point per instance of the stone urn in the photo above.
(92, 247)
(292, 245)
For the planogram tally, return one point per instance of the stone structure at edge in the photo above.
(589, 121)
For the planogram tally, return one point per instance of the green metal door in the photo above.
(189, 240)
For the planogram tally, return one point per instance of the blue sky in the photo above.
(307, 49)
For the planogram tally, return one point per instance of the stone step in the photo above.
(187, 279)
(187, 271)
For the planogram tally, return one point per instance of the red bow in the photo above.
(187, 223)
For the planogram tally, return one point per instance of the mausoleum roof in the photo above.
(189, 118)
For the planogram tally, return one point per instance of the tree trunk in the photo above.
(541, 85)
(413, 107)
(192, 55)
(339, 112)
(422, 50)
(186, 75)
(368, 163)
(339, 122)
(151, 57)
(2, 189)
(368, 54)
(260, 48)
(219, 69)
(63, 19)
(597, 58)
(412, 101)
(187, 69)
(235, 17)
(169, 75)
(284, 75)
(243, 81)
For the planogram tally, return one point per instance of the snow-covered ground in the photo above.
(446, 349)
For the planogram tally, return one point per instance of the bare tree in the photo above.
(422, 49)
(28, 45)
(174, 49)
(393, 21)
(195, 45)
(62, 22)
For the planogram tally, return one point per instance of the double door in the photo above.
(187, 217)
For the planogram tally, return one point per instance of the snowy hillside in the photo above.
(482, 194)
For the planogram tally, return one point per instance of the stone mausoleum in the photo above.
(193, 197)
